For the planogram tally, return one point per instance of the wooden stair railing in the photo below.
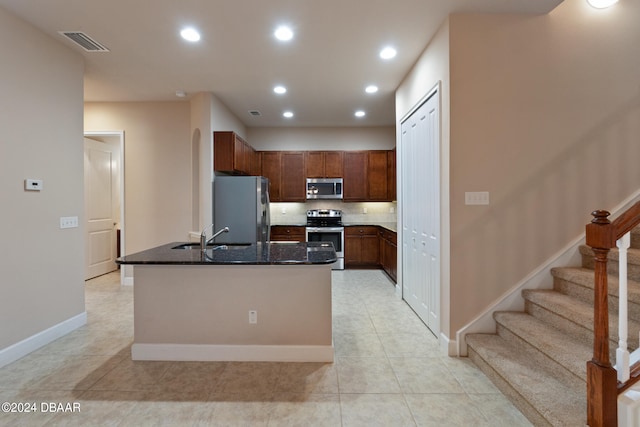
(603, 386)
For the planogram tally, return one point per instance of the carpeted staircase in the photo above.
(538, 357)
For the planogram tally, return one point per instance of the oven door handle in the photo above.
(324, 229)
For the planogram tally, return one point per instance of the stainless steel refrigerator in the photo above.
(242, 204)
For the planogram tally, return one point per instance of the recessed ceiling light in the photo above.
(181, 93)
(288, 114)
(602, 4)
(280, 90)
(360, 113)
(371, 89)
(388, 53)
(190, 34)
(283, 33)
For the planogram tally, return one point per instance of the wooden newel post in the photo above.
(602, 393)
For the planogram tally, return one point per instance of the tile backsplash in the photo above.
(296, 213)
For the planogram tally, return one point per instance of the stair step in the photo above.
(536, 391)
(562, 354)
(579, 282)
(573, 316)
(633, 261)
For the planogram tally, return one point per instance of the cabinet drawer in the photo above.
(288, 233)
(364, 230)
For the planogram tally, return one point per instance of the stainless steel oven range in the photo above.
(325, 225)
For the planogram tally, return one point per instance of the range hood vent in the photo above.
(84, 41)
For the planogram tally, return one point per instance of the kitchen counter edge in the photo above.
(289, 253)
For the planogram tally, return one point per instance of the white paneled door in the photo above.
(420, 157)
(101, 207)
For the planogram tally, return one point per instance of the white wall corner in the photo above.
(20, 349)
(448, 346)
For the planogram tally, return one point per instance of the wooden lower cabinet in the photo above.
(389, 253)
(288, 233)
(361, 248)
(371, 247)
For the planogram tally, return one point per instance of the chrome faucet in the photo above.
(203, 236)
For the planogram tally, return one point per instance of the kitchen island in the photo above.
(258, 302)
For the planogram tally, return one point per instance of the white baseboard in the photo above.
(512, 300)
(34, 342)
(236, 353)
(447, 346)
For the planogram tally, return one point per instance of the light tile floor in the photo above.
(388, 371)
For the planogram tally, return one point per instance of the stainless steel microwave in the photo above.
(324, 188)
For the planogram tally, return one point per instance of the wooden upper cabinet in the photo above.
(333, 164)
(391, 175)
(231, 154)
(293, 179)
(355, 176)
(377, 183)
(367, 176)
(272, 169)
(314, 164)
(324, 164)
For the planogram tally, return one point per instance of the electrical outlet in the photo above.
(365, 210)
(33, 184)
(68, 222)
(253, 316)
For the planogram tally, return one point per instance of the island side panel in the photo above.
(209, 305)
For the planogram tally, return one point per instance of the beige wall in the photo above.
(208, 114)
(41, 121)
(545, 115)
(340, 138)
(157, 167)
(430, 71)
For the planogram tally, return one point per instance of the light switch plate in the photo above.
(68, 221)
(476, 198)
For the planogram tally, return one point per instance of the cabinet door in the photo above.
(314, 164)
(377, 176)
(352, 250)
(355, 175)
(333, 164)
(256, 163)
(293, 177)
(224, 152)
(370, 249)
(271, 168)
(391, 175)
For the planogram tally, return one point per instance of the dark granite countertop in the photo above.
(289, 253)
(391, 226)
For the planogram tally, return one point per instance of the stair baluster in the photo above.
(622, 352)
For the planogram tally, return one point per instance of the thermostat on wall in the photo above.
(33, 184)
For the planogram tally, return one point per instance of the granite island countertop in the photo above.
(391, 226)
(281, 253)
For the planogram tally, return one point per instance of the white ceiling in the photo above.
(333, 56)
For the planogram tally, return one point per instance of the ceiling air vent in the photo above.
(84, 41)
(255, 113)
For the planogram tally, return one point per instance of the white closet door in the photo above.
(421, 212)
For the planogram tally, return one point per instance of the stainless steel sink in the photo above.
(215, 247)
